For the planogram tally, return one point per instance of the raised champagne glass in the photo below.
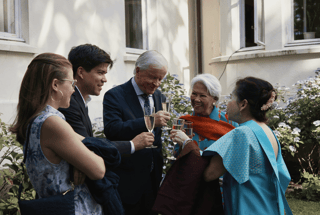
(149, 120)
(177, 124)
(166, 107)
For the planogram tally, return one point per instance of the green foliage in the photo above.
(12, 176)
(180, 105)
(295, 121)
(310, 188)
(296, 124)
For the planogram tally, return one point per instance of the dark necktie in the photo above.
(146, 104)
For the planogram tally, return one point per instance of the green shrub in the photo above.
(12, 176)
(180, 105)
(295, 121)
(296, 124)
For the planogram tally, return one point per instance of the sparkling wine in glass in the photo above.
(177, 124)
(149, 120)
(166, 107)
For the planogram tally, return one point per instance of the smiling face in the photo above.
(93, 81)
(149, 80)
(201, 100)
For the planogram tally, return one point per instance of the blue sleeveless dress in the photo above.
(51, 179)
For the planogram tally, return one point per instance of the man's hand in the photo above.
(78, 176)
(143, 140)
(161, 118)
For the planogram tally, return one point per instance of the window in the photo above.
(252, 23)
(136, 24)
(10, 20)
(306, 19)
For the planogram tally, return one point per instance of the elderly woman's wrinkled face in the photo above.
(201, 100)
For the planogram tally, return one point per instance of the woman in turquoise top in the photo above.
(53, 145)
(206, 91)
(249, 157)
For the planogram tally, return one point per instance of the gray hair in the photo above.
(148, 58)
(210, 82)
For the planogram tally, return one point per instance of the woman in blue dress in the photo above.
(53, 145)
(249, 157)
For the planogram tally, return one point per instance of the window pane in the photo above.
(134, 33)
(249, 23)
(306, 19)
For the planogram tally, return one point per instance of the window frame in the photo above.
(257, 40)
(290, 32)
(145, 42)
(17, 20)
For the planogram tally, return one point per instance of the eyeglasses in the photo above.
(74, 82)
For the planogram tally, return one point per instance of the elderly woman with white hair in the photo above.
(184, 190)
(209, 122)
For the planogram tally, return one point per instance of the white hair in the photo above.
(148, 58)
(210, 82)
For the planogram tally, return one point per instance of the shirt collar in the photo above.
(213, 115)
(84, 101)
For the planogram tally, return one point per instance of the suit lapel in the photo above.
(156, 98)
(132, 100)
(79, 99)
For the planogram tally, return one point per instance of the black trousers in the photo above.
(145, 204)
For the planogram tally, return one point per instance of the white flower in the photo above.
(282, 124)
(292, 148)
(277, 117)
(296, 131)
(277, 133)
(296, 139)
(316, 123)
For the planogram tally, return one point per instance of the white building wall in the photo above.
(57, 25)
(278, 62)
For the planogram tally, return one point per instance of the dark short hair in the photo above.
(257, 92)
(88, 56)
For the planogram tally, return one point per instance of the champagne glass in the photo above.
(177, 124)
(188, 128)
(166, 107)
(149, 120)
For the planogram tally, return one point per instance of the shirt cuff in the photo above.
(132, 147)
(185, 142)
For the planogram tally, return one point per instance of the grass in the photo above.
(302, 207)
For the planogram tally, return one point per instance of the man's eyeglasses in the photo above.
(74, 82)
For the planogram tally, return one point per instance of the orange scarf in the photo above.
(208, 128)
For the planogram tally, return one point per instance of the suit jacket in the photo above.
(123, 120)
(77, 116)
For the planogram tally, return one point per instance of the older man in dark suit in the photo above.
(123, 117)
(90, 65)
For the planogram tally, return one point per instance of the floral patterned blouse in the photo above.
(51, 179)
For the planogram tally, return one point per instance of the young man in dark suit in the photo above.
(90, 65)
(123, 117)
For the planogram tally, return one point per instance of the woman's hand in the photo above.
(78, 176)
(178, 136)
